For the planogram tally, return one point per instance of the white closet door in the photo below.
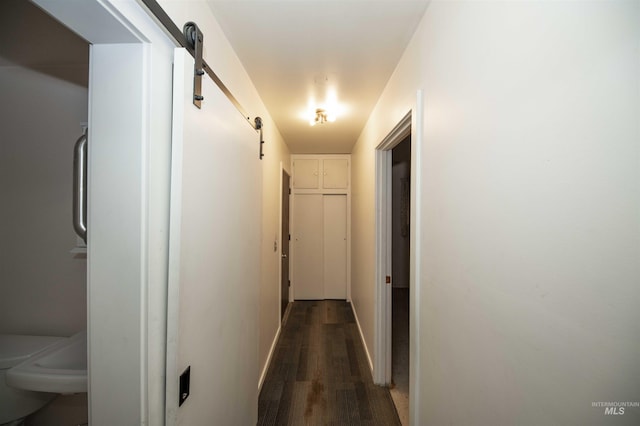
(214, 258)
(307, 240)
(335, 246)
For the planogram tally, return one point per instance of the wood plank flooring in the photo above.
(319, 374)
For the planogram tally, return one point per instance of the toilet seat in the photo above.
(15, 348)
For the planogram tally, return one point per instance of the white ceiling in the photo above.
(295, 50)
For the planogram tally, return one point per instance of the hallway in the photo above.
(521, 207)
(319, 373)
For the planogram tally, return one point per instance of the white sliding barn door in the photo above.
(214, 259)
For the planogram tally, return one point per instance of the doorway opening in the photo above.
(127, 195)
(396, 229)
(400, 264)
(44, 77)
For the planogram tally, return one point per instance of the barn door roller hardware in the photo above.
(182, 39)
(258, 126)
(194, 37)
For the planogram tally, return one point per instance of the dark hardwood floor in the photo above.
(319, 374)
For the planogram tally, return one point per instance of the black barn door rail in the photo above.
(191, 39)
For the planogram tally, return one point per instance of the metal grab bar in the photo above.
(80, 187)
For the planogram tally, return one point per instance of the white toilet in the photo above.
(16, 404)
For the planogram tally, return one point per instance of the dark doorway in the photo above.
(284, 283)
(400, 255)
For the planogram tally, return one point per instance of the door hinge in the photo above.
(388, 279)
(289, 237)
(289, 283)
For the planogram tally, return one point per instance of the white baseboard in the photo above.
(364, 343)
(265, 368)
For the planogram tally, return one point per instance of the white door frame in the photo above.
(128, 177)
(382, 366)
(411, 123)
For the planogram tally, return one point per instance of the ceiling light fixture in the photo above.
(321, 117)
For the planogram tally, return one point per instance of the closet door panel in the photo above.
(307, 253)
(306, 174)
(335, 246)
(335, 173)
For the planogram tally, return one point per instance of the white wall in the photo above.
(43, 285)
(220, 56)
(41, 108)
(276, 154)
(530, 198)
